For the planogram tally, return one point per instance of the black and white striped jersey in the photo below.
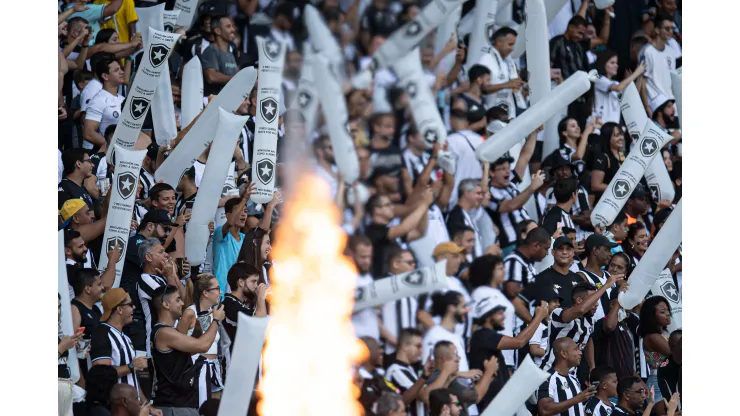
(595, 407)
(518, 268)
(145, 287)
(404, 376)
(554, 216)
(147, 181)
(598, 281)
(507, 221)
(397, 315)
(579, 330)
(561, 388)
(108, 343)
(578, 208)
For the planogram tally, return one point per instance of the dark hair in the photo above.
(75, 22)
(372, 203)
(406, 335)
(628, 261)
(632, 231)
(568, 230)
(601, 60)
(97, 57)
(358, 239)
(438, 399)
(158, 188)
(250, 251)
(521, 228)
(70, 235)
(461, 231)
(441, 301)
(605, 137)
(648, 321)
(600, 373)
(82, 278)
(238, 272)
(109, 132)
(190, 174)
(481, 270)
(321, 143)
(103, 67)
(216, 22)
(395, 251)
(503, 32)
(476, 71)
(620, 218)
(231, 204)
(577, 20)
(661, 17)
(161, 294)
(496, 113)
(626, 383)
(104, 36)
(564, 190)
(562, 127)
(70, 157)
(537, 235)
(82, 75)
(580, 289)
(100, 380)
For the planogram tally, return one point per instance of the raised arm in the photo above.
(603, 37)
(170, 338)
(577, 311)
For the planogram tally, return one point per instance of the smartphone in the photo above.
(189, 205)
(179, 262)
(80, 330)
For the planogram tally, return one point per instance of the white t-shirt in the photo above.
(499, 298)
(606, 102)
(91, 89)
(462, 144)
(105, 108)
(438, 333)
(366, 320)
(331, 180)
(463, 330)
(60, 166)
(539, 340)
(502, 71)
(658, 67)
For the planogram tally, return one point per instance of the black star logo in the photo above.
(411, 89)
(648, 147)
(158, 54)
(269, 109)
(272, 48)
(126, 184)
(413, 28)
(114, 241)
(139, 107)
(622, 189)
(265, 171)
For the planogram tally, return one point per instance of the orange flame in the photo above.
(310, 346)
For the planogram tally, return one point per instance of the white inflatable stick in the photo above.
(188, 9)
(323, 41)
(191, 92)
(538, 50)
(307, 98)
(552, 8)
(654, 261)
(63, 289)
(483, 29)
(525, 381)
(170, 20)
(665, 287)
(211, 185)
(442, 35)
(676, 88)
(400, 286)
(603, 4)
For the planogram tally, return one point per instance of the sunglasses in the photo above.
(641, 391)
(121, 305)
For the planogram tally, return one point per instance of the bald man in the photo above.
(561, 391)
(125, 402)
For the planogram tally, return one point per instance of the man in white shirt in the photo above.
(462, 144)
(660, 60)
(105, 108)
(505, 82)
(366, 321)
(452, 253)
(326, 167)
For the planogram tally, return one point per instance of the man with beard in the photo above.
(325, 164)
(219, 63)
(488, 342)
(78, 181)
(577, 321)
(504, 81)
(171, 355)
(76, 254)
(451, 308)
(562, 390)
(86, 310)
(404, 371)
(246, 296)
(599, 253)
(632, 393)
(105, 107)
(365, 321)
(228, 239)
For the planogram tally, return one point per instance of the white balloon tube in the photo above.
(307, 98)
(170, 20)
(63, 289)
(188, 9)
(229, 189)
(323, 41)
(525, 381)
(664, 286)
(603, 4)
(163, 111)
(121, 208)
(211, 185)
(656, 257)
(483, 28)
(421, 102)
(408, 36)
(505, 14)
(271, 60)
(676, 88)
(552, 8)
(192, 91)
(538, 51)
(201, 134)
(629, 174)
(142, 91)
(245, 359)
(659, 181)
(423, 248)
(565, 93)
(466, 23)
(442, 35)
(550, 136)
(400, 286)
(337, 121)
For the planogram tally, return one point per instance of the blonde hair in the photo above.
(202, 284)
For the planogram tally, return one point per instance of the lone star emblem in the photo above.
(268, 109)
(622, 189)
(272, 49)
(126, 182)
(649, 146)
(670, 291)
(304, 99)
(169, 28)
(489, 33)
(411, 89)
(139, 107)
(112, 242)
(655, 190)
(430, 136)
(413, 29)
(266, 171)
(415, 278)
(359, 292)
(158, 54)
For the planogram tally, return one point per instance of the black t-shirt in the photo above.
(550, 279)
(232, 307)
(607, 163)
(619, 411)
(617, 348)
(378, 234)
(130, 275)
(70, 190)
(483, 345)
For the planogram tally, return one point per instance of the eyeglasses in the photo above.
(457, 403)
(87, 161)
(121, 305)
(641, 391)
(410, 262)
(214, 288)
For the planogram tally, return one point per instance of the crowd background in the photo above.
(376, 130)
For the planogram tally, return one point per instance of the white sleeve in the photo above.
(649, 64)
(95, 110)
(603, 84)
(537, 335)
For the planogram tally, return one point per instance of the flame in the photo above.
(310, 346)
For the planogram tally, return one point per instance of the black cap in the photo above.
(152, 150)
(661, 216)
(548, 293)
(157, 216)
(598, 240)
(561, 241)
(503, 159)
(559, 161)
(640, 191)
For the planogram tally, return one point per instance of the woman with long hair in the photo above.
(621, 263)
(607, 160)
(655, 316)
(636, 243)
(256, 251)
(606, 89)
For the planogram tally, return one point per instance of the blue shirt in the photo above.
(225, 251)
(94, 15)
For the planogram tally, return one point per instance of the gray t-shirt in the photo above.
(223, 62)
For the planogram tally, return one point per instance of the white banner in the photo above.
(552, 8)
(564, 94)
(121, 208)
(665, 287)
(525, 381)
(323, 41)
(191, 103)
(421, 102)
(656, 257)
(442, 35)
(211, 185)
(400, 286)
(188, 9)
(170, 20)
(250, 338)
(482, 34)
(141, 93)
(676, 88)
(307, 98)
(63, 289)
(271, 60)
(337, 121)
(163, 109)
(201, 134)
(408, 36)
(632, 170)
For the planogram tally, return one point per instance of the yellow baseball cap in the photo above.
(111, 300)
(447, 248)
(70, 208)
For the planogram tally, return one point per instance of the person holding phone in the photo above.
(604, 381)
(504, 83)
(561, 384)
